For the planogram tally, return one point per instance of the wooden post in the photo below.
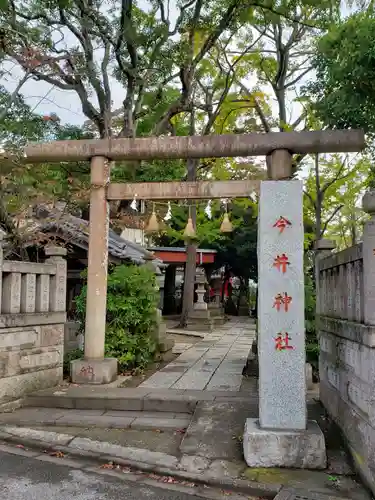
(95, 369)
(96, 301)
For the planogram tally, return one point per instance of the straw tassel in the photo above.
(153, 224)
(189, 229)
(226, 225)
(189, 232)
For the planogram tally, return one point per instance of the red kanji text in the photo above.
(282, 223)
(282, 301)
(282, 342)
(281, 262)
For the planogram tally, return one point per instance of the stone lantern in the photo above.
(200, 280)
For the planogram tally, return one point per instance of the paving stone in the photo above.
(213, 363)
(226, 468)
(25, 416)
(162, 380)
(216, 430)
(193, 463)
(48, 401)
(170, 403)
(160, 423)
(129, 403)
(100, 421)
(132, 414)
(82, 413)
(147, 414)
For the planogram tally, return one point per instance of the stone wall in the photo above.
(32, 318)
(347, 374)
(346, 313)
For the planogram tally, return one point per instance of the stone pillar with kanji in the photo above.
(282, 437)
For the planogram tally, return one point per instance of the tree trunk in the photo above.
(353, 227)
(318, 201)
(191, 255)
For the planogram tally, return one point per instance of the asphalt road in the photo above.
(23, 478)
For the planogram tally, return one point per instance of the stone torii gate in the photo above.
(281, 436)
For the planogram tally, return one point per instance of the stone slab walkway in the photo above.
(214, 364)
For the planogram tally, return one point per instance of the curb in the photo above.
(238, 485)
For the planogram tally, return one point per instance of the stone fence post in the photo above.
(57, 297)
(323, 248)
(368, 204)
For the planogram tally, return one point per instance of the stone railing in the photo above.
(346, 326)
(32, 318)
(341, 284)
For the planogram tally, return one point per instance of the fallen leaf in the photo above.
(109, 465)
(57, 454)
(332, 478)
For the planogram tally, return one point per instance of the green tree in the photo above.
(344, 62)
(24, 186)
(237, 250)
(140, 47)
(333, 192)
(280, 58)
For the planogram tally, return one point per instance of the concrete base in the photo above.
(280, 448)
(204, 320)
(166, 345)
(93, 371)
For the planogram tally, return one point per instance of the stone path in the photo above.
(214, 364)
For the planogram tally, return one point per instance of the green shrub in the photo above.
(312, 344)
(132, 299)
(71, 356)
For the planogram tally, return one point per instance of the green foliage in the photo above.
(236, 250)
(69, 357)
(312, 344)
(334, 188)
(132, 298)
(344, 88)
(24, 186)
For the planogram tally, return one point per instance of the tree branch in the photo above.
(13, 96)
(337, 177)
(311, 199)
(335, 212)
(257, 108)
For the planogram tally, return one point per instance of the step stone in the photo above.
(96, 418)
(130, 399)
